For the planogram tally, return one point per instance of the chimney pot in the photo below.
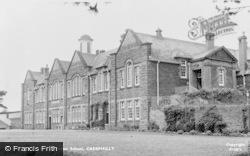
(210, 40)
(158, 32)
(97, 52)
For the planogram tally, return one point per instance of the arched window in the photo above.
(129, 74)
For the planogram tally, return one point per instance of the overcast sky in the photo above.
(35, 32)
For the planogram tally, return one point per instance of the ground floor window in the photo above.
(137, 110)
(100, 113)
(122, 105)
(130, 110)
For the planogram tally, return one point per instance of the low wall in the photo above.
(231, 113)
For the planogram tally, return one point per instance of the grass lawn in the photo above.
(129, 143)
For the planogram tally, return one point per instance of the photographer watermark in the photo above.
(90, 148)
(39, 148)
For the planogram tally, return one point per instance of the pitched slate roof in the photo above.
(167, 48)
(163, 48)
(65, 64)
(89, 58)
(102, 58)
(38, 76)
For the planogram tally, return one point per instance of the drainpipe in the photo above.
(109, 76)
(158, 86)
(189, 76)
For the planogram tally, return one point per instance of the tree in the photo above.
(227, 6)
(2, 93)
(92, 7)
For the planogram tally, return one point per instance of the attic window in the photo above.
(183, 69)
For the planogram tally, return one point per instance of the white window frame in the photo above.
(122, 75)
(83, 85)
(106, 83)
(62, 90)
(122, 110)
(100, 82)
(129, 74)
(183, 65)
(130, 106)
(94, 80)
(137, 75)
(69, 89)
(221, 77)
(50, 93)
(79, 86)
(137, 105)
(100, 113)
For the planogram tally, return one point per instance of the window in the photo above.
(106, 81)
(43, 116)
(100, 113)
(59, 91)
(94, 84)
(69, 89)
(79, 86)
(183, 69)
(28, 95)
(36, 117)
(129, 74)
(122, 78)
(73, 87)
(30, 118)
(40, 117)
(137, 110)
(69, 115)
(50, 93)
(83, 114)
(100, 82)
(73, 114)
(79, 113)
(130, 110)
(76, 86)
(83, 86)
(122, 110)
(136, 70)
(62, 90)
(221, 77)
(44, 90)
(58, 115)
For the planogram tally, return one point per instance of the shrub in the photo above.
(226, 132)
(82, 126)
(209, 119)
(135, 127)
(209, 132)
(180, 132)
(242, 154)
(220, 126)
(200, 127)
(126, 127)
(153, 126)
(189, 126)
(179, 126)
(98, 123)
(193, 132)
(176, 117)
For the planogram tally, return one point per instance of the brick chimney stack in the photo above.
(46, 70)
(242, 52)
(158, 33)
(210, 40)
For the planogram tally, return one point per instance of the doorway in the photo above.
(198, 77)
(49, 123)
